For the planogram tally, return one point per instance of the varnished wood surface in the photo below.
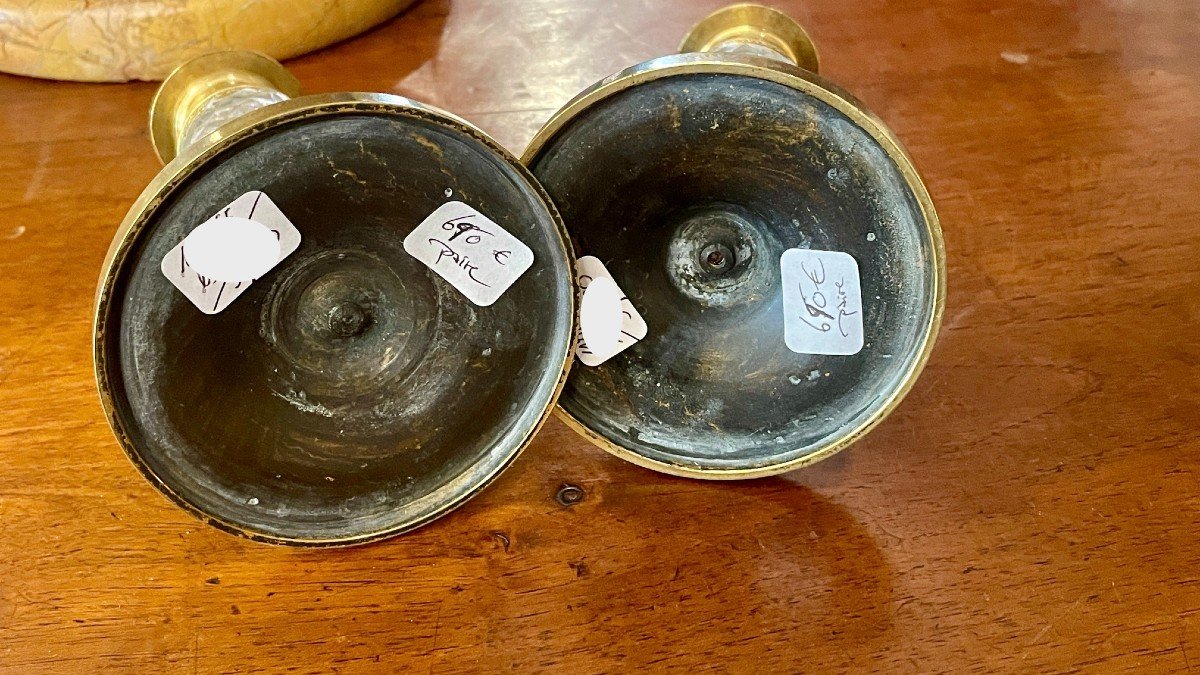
(1033, 505)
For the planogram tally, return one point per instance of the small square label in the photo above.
(212, 296)
(474, 254)
(633, 326)
(822, 302)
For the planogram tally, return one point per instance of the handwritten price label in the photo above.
(210, 295)
(822, 302)
(472, 253)
(633, 326)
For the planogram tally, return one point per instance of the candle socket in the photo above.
(755, 30)
(208, 91)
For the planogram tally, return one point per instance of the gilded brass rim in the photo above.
(813, 85)
(173, 175)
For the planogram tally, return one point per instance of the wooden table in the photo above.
(1033, 505)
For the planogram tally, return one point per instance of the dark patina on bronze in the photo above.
(351, 393)
(689, 176)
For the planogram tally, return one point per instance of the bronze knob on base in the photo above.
(350, 393)
(693, 178)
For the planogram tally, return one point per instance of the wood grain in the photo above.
(1032, 506)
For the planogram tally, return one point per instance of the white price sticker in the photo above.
(474, 254)
(822, 302)
(597, 310)
(254, 238)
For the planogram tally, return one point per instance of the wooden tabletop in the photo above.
(1033, 504)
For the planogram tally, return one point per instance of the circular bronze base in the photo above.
(689, 176)
(351, 393)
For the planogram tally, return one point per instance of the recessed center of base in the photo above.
(718, 255)
(341, 322)
(348, 319)
(717, 258)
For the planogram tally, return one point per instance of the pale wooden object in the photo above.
(120, 40)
